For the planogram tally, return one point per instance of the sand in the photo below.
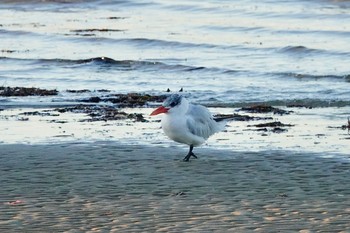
(114, 187)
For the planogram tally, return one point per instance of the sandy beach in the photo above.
(111, 187)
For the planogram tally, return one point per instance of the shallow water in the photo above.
(246, 51)
(315, 130)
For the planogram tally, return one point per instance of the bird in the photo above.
(187, 123)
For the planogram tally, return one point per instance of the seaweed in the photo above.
(343, 127)
(264, 109)
(26, 91)
(271, 124)
(127, 100)
(8, 51)
(346, 126)
(37, 113)
(78, 91)
(238, 117)
(274, 127)
(97, 30)
(102, 113)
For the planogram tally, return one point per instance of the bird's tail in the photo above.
(221, 123)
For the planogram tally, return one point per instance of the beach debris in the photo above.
(8, 51)
(122, 100)
(116, 17)
(92, 31)
(58, 121)
(102, 113)
(26, 91)
(87, 91)
(343, 127)
(94, 99)
(127, 100)
(299, 106)
(274, 127)
(22, 118)
(37, 113)
(96, 30)
(347, 126)
(278, 130)
(136, 99)
(271, 124)
(264, 109)
(78, 91)
(238, 117)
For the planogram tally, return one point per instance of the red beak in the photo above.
(160, 110)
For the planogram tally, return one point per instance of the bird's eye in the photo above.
(173, 104)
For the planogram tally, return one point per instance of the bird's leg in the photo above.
(190, 153)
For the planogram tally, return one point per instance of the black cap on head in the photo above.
(172, 101)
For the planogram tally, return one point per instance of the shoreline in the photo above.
(322, 130)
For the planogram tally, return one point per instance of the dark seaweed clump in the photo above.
(102, 113)
(37, 113)
(97, 30)
(264, 109)
(343, 127)
(346, 126)
(274, 127)
(85, 91)
(272, 124)
(127, 100)
(238, 117)
(26, 91)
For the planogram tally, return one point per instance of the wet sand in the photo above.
(111, 187)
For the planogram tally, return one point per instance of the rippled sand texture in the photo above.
(106, 187)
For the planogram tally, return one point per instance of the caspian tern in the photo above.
(187, 123)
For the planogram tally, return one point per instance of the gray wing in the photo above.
(200, 122)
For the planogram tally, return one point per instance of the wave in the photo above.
(157, 65)
(345, 77)
(106, 62)
(146, 42)
(290, 103)
(299, 49)
(11, 33)
(318, 32)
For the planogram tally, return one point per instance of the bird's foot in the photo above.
(187, 158)
(192, 154)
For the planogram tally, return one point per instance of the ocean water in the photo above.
(227, 52)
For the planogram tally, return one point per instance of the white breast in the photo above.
(175, 127)
(189, 123)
